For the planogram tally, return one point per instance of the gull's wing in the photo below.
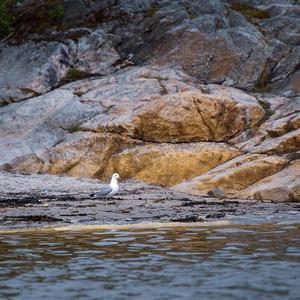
(103, 192)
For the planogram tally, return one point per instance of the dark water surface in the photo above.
(229, 262)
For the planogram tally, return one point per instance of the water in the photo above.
(229, 262)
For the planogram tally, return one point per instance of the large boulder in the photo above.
(162, 105)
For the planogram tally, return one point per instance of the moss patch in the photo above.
(192, 13)
(250, 12)
(74, 74)
(266, 106)
(264, 88)
(29, 18)
(6, 16)
(152, 10)
(56, 13)
(74, 128)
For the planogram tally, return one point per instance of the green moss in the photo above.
(152, 10)
(74, 74)
(56, 13)
(74, 128)
(191, 12)
(34, 18)
(266, 106)
(6, 18)
(250, 12)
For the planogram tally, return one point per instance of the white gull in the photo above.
(110, 190)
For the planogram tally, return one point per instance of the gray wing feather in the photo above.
(103, 192)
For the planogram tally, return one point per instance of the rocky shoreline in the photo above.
(31, 200)
(187, 95)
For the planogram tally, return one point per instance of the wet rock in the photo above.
(29, 219)
(188, 219)
(216, 193)
(215, 215)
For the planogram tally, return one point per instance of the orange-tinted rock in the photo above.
(169, 164)
(235, 175)
(282, 186)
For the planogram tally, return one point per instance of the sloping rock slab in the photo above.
(282, 186)
(235, 175)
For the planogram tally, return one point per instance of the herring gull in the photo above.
(110, 190)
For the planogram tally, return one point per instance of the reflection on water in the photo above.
(233, 262)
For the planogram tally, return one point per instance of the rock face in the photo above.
(40, 123)
(31, 69)
(269, 170)
(153, 90)
(169, 164)
(79, 126)
(34, 68)
(156, 105)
